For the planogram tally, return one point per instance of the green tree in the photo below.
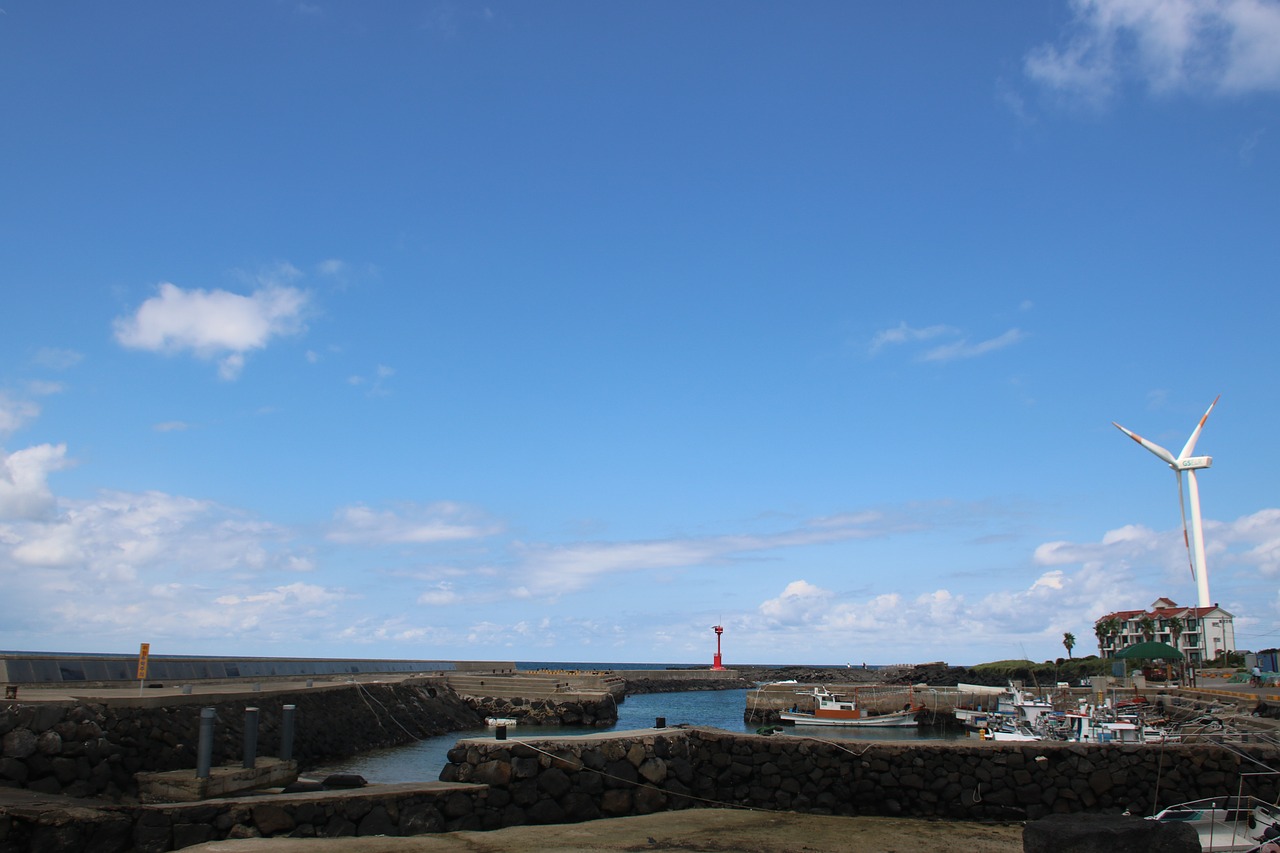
(1147, 627)
(1069, 640)
(1106, 629)
(1175, 630)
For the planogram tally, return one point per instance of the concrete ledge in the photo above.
(183, 786)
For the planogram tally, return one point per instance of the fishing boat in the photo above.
(835, 709)
(1016, 715)
(493, 722)
(1227, 823)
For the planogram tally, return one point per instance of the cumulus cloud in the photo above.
(213, 324)
(183, 567)
(24, 480)
(1213, 46)
(409, 524)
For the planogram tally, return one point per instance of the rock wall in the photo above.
(578, 711)
(93, 750)
(490, 784)
(578, 779)
(643, 684)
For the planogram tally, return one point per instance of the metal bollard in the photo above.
(500, 732)
(250, 737)
(204, 750)
(660, 723)
(286, 732)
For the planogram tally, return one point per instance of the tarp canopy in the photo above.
(1150, 651)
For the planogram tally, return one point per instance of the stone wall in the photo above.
(573, 779)
(490, 784)
(568, 710)
(94, 750)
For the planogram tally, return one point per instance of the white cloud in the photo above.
(24, 480)
(964, 349)
(902, 334)
(54, 358)
(213, 323)
(14, 414)
(959, 348)
(555, 569)
(1215, 46)
(442, 594)
(437, 522)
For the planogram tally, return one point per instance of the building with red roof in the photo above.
(1201, 633)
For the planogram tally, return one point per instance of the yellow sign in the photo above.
(142, 660)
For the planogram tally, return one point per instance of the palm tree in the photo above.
(1175, 630)
(1106, 629)
(1069, 640)
(1147, 626)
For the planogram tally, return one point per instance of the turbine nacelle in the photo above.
(1193, 462)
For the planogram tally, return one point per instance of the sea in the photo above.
(423, 760)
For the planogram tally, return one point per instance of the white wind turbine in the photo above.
(1186, 463)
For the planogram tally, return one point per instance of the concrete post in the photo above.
(286, 732)
(204, 750)
(250, 737)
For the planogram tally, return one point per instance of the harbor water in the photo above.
(722, 709)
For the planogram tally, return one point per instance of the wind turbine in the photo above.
(1184, 462)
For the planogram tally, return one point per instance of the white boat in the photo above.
(493, 722)
(1016, 715)
(1227, 823)
(1009, 730)
(834, 709)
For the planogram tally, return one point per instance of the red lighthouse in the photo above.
(719, 629)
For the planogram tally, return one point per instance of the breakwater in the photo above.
(93, 749)
(583, 778)
(491, 784)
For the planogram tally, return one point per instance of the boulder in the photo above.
(1086, 833)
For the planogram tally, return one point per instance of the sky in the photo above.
(566, 331)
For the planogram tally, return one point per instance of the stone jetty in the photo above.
(492, 784)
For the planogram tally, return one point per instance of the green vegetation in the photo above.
(1047, 673)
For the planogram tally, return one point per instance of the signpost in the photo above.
(143, 652)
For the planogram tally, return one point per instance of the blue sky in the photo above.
(568, 330)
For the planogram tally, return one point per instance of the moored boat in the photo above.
(834, 709)
(492, 722)
(1227, 823)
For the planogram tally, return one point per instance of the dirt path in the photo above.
(709, 830)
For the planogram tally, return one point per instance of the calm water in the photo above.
(723, 709)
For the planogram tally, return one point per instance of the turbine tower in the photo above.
(1184, 462)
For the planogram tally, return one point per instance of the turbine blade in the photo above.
(1190, 446)
(1149, 445)
(1186, 539)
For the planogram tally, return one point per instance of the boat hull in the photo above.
(898, 719)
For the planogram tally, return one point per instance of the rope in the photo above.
(391, 716)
